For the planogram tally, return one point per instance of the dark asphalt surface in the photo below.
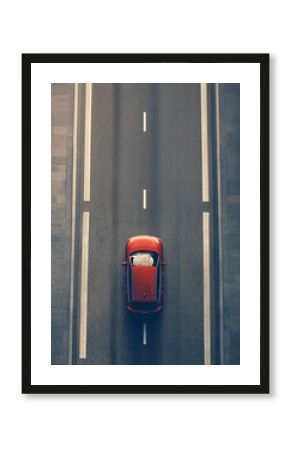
(166, 160)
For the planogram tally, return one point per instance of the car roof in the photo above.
(144, 283)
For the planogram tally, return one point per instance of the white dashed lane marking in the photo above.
(144, 122)
(87, 143)
(83, 317)
(204, 143)
(144, 333)
(206, 286)
(144, 199)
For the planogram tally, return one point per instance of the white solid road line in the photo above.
(87, 142)
(144, 122)
(84, 286)
(206, 286)
(144, 333)
(220, 235)
(144, 199)
(73, 219)
(204, 143)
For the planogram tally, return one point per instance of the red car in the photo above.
(144, 274)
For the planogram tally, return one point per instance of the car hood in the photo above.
(144, 243)
(144, 283)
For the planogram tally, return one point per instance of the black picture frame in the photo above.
(263, 61)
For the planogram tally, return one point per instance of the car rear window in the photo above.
(144, 306)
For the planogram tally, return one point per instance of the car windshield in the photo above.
(142, 259)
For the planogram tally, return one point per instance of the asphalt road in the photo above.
(166, 161)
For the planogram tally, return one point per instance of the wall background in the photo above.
(139, 421)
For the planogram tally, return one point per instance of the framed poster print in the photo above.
(145, 223)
